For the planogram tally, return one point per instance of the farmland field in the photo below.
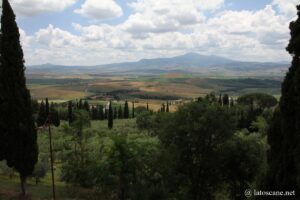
(157, 87)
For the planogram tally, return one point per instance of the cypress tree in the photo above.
(86, 106)
(147, 106)
(16, 119)
(41, 115)
(167, 109)
(225, 100)
(47, 108)
(80, 106)
(126, 110)
(284, 134)
(120, 113)
(133, 110)
(163, 108)
(70, 112)
(110, 116)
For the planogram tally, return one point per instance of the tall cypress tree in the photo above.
(167, 109)
(163, 108)
(225, 100)
(47, 108)
(42, 115)
(284, 155)
(80, 106)
(120, 112)
(133, 111)
(70, 112)
(86, 106)
(110, 116)
(147, 106)
(126, 110)
(16, 120)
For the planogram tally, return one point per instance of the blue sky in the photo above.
(90, 32)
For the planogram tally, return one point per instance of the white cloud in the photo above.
(288, 7)
(100, 10)
(152, 16)
(56, 38)
(161, 28)
(36, 7)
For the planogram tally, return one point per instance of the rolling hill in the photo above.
(188, 63)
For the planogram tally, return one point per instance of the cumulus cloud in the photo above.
(100, 10)
(286, 6)
(56, 38)
(36, 7)
(161, 28)
(167, 15)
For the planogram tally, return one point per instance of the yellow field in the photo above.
(53, 92)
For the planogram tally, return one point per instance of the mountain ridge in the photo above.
(190, 62)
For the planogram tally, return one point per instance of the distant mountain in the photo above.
(189, 63)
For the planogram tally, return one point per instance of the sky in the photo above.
(92, 32)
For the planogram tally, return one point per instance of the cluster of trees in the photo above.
(47, 114)
(196, 152)
(101, 112)
(165, 107)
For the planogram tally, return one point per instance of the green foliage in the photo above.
(243, 161)
(261, 125)
(75, 168)
(127, 168)
(53, 116)
(40, 170)
(260, 100)
(5, 170)
(140, 109)
(194, 136)
(144, 120)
